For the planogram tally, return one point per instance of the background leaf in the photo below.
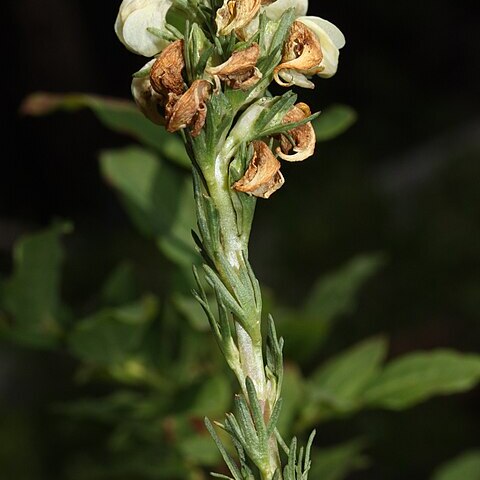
(334, 121)
(112, 335)
(32, 295)
(120, 286)
(464, 467)
(337, 462)
(157, 198)
(118, 115)
(332, 296)
(416, 377)
(336, 387)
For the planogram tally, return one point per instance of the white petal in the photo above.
(129, 6)
(275, 10)
(335, 34)
(133, 19)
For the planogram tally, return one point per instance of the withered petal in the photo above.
(303, 137)
(302, 53)
(239, 71)
(236, 14)
(263, 177)
(190, 109)
(166, 73)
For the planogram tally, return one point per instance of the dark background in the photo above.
(404, 181)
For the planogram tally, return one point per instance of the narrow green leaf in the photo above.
(256, 411)
(118, 115)
(293, 398)
(272, 423)
(334, 121)
(226, 457)
(416, 377)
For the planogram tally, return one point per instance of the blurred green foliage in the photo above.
(151, 366)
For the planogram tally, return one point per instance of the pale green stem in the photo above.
(235, 250)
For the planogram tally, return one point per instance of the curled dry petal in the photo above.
(303, 137)
(189, 110)
(166, 73)
(239, 71)
(263, 177)
(302, 53)
(236, 14)
(147, 99)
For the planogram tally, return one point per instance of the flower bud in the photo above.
(133, 20)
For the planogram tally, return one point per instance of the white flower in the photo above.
(275, 10)
(312, 48)
(331, 40)
(134, 17)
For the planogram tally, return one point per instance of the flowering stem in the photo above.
(211, 83)
(229, 256)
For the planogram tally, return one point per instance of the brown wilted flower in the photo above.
(263, 177)
(234, 15)
(166, 73)
(190, 109)
(302, 53)
(239, 71)
(303, 137)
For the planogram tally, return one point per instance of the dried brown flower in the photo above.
(190, 109)
(236, 14)
(303, 137)
(263, 177)
(239, 71)
(166, 73)
(301, 53)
